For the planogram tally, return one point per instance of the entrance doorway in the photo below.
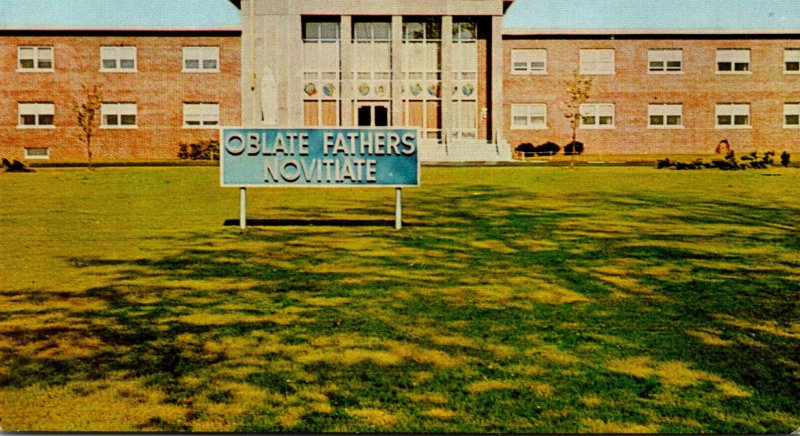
(372, 115)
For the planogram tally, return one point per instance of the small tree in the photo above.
(88, 115)
(578, 89)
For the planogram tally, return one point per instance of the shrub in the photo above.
(16, 166)
(730, 163)
(525, 148)
(573, 148)
(203, 150)
(785, 157)
(547, 149)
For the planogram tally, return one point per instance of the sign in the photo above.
(319, 157)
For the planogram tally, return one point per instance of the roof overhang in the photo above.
(520, 32)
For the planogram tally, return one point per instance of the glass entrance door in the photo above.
(373, 115)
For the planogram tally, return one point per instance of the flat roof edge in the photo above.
(143, 29)
(644, 31)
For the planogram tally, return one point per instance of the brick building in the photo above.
(653, 94)
(478, 77)
(162, 85)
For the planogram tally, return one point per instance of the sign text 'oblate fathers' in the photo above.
(319, 157)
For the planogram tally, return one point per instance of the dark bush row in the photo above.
(550, 149)
(203, 150)
(730, 163)
(15, 166)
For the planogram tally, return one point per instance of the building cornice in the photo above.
(531, 32)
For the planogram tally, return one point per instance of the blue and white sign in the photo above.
(319, 157)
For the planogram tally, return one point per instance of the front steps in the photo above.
(464, 151)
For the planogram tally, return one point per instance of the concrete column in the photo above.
(397, 70)
(496, 69)
(447, 76)
(346, 60)
(294, 70)
(249, 84)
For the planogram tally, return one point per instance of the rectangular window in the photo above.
(665, 115)
(201, 59)
(733, 61)
(597, 61)
(35, 58)
(117, 58)
(37, 153)
(36, 115)
(118, 115)
(199, 115)
(529, 61)
(733, 115)
(529, 116)
(791, 60)
(597, 116)
(791, 115)
(665, 60)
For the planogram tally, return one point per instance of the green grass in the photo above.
(516, 299)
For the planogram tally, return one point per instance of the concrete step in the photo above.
(465, 152)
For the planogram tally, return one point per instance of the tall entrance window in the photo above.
(422, 76)
(372, 114)
(465, 80)
(372, 64)
(321, 73)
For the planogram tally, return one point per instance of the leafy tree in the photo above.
(578, 89)
(88, 115)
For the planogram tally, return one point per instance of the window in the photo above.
(118, 115)
(733, 61)
(665, 115)
(200, 114)
(36, 115)
(597, 61)
(733, 115)
(35, 58)
(201, 59)
(597, 116)
(117, 58)
(37, 153)
(791, 115)
(791, 59)
(529, 61)
(665, 60)
(528, 116)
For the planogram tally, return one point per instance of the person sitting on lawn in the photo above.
(724, 147)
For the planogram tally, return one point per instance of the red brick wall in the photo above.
(631, 89)
(159, 88)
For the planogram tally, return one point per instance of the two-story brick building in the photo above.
(477, 77)
(666, 78)
(162, 83)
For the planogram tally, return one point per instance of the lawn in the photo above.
(515, 299)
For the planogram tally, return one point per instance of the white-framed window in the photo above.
(200, 115)
(733, 61)
(36, 115)
(37, 153)
(791, 115)
(597, 61)
(733, 115)
(118, 58)
(791, 61)
(33, 58)
(662, 61)
(667, 116)
(201, 59)
(118, 116)
(597, 116)
(529, 116)
(529, 61)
